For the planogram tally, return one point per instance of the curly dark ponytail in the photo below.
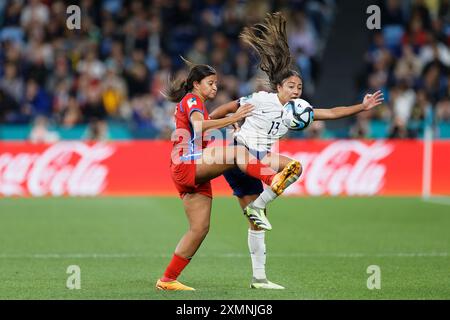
(269, 40)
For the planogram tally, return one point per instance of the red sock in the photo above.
(176, 265)
(255, 169)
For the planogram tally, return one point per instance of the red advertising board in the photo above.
(331, 167)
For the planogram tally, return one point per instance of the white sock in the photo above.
(257, 246)
(264, 198)
(268, 195)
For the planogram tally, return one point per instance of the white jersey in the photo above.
(264, 127)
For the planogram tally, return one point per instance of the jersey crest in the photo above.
(192, 102)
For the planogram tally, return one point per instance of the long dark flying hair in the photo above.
(269, 40)
(177, 89)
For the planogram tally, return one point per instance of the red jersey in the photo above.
(187, 145)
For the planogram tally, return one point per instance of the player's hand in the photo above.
(243, 112)
(372, 100)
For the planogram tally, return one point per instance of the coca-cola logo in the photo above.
(343, 167)
(72, 168)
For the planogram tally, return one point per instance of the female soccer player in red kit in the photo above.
(193, 164)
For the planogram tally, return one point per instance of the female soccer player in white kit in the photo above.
(264, 127)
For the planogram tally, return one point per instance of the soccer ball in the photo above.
(297, 114)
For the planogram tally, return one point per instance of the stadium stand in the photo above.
(104, 80)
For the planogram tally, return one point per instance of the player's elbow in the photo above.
(215, 115)
(199, 126)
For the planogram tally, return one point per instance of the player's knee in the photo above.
(200, 230)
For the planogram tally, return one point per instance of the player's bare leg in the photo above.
(198, 211)
(216, 160)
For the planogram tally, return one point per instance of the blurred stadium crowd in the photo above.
(113, 69)
(410, 60)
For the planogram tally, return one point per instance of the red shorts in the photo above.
(183, 176)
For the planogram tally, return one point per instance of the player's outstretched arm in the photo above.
(224, 109)
(201, 125)
(370, 101)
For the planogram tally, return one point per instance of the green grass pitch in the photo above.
(319, 248)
